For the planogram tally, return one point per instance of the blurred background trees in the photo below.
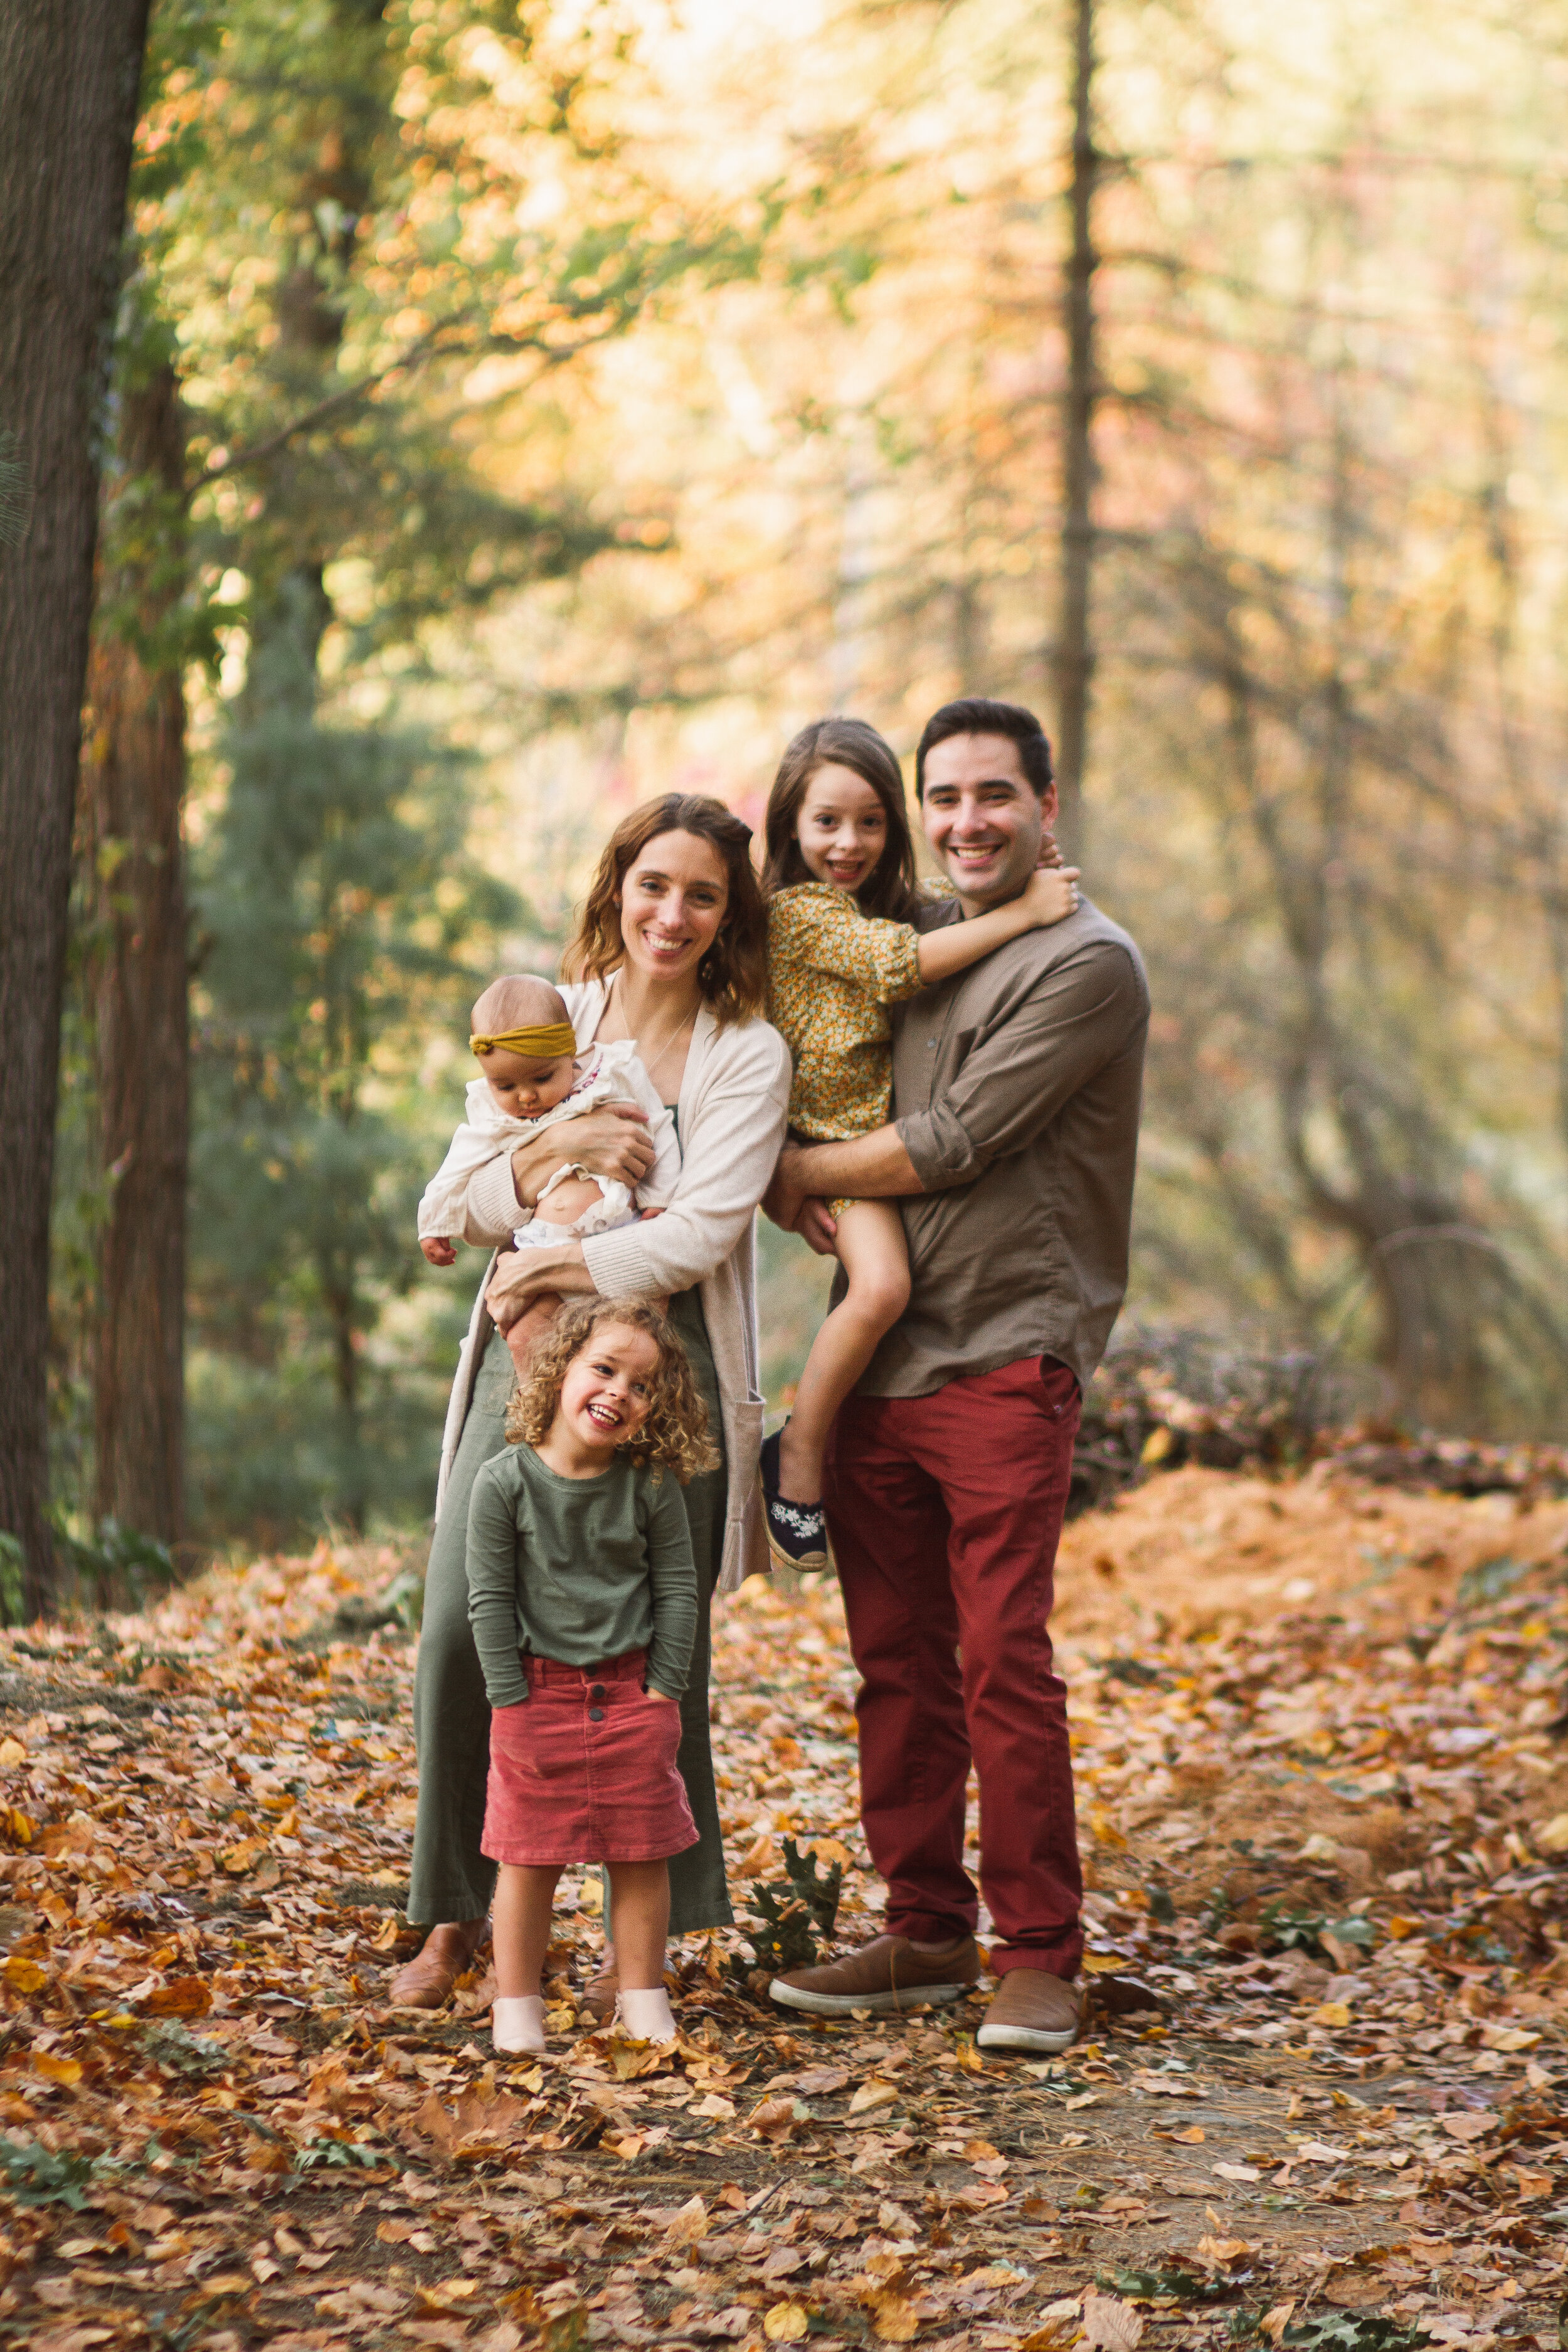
(521, 409)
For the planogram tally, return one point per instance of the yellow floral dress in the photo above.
(832, 974)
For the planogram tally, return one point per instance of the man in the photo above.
(1015, 1097)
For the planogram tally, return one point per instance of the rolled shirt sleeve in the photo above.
(1025, 1064)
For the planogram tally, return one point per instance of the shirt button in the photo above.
(598, 1691)
(595, 1715)
(931, 1044)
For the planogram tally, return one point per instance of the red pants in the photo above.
(945, 1511)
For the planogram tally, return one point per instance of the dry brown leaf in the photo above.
(775, 2118)
(688, 2223)
(893, 2315)
(787, 2323)
(56, 2069)
(820, 2081)
(1110, 2324)
(1467, 2126)
(182, 1997)
(874, 2094)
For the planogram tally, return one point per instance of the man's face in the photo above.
(982, 818)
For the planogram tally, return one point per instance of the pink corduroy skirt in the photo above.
(583, 1769)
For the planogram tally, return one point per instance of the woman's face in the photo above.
(671, 899)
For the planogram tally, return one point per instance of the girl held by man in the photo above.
(842, 947)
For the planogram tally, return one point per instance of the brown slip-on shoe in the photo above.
(885, 1976)
(426, 1981)
(1031, 2011)
(603, 1989)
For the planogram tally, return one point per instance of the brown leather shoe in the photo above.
(1032, 2010)
(603, 1989)
(426, 1981)
(885, 1976)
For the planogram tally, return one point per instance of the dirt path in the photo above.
(1325, 1824)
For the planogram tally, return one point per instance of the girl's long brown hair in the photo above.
(676, 1431)
(733, 974)
(889, 889)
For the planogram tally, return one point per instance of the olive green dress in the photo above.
(451, 1879)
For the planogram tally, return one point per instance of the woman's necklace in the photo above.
(670, 1043)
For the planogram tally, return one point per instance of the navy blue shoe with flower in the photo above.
(797, 1532)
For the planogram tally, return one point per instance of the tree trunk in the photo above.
(69, 81)
(1074, 650)
(132, 788)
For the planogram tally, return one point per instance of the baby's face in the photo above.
(523, 1084)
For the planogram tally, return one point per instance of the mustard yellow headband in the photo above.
(549, 1043)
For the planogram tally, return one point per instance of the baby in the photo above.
(534, 1078)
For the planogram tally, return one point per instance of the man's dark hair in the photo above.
(975, 716)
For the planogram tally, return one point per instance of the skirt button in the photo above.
(598, 1691)
(595, 1715)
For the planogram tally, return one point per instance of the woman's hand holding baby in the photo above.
(522, 1275)
(614, 1140)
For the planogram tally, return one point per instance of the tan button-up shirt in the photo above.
(1016, 1091)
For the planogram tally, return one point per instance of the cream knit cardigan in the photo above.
(733, 1099)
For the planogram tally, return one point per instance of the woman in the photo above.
(671, 951)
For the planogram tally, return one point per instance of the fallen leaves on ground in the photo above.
(1325, 1826)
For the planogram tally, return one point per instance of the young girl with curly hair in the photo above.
(582, 1599)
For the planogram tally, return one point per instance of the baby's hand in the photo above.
(1050, 851)
(438, 1251)
(1050, 893)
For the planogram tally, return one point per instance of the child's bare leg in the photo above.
(639, 1893)
(873, 1254)
(531, 1326)
(640, 1896)
(519, 1926)
(523, 1905)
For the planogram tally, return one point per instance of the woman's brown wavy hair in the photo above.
(676, 1431)
(889, 889)
(733, 974)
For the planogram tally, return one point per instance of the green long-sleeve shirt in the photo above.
(580, 1569)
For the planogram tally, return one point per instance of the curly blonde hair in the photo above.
(675, 1433)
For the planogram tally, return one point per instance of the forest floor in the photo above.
(1324, 1813)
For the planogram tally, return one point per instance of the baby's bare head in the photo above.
(526, 1075)
(519, 1001)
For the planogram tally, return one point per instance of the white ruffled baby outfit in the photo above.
(605, 1074)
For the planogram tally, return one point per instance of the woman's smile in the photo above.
(672, 902)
